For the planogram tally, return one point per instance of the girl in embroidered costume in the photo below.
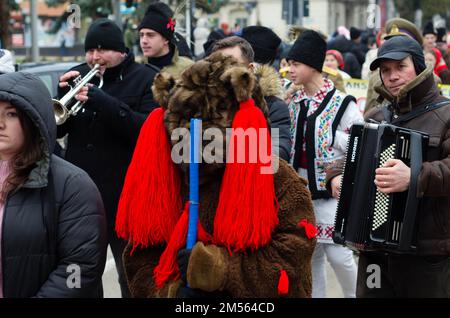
(250, 243)
(321, 117)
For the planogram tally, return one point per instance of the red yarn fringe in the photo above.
(247, 212)
(149, 204)
(167, 268)
(283, 283)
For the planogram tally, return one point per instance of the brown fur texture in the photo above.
(210, 90)
(241, 80)
(269, 81)
(162, 85)
(208, 266)
(252, 274)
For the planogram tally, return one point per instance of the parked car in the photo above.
(49, 73)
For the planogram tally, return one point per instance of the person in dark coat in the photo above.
(52, 221)
(352, 66)
(412, 101)
(102, 136)
(358, 48)
(269, 82)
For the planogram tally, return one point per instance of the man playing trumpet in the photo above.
(102, 135)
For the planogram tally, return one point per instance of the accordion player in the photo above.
(367, 219)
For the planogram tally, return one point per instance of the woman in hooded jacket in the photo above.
(52, 222)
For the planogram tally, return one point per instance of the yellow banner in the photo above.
(445, 90)
(358, 88)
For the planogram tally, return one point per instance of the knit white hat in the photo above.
(6, 62)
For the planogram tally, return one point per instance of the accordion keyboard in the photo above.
(382, 200)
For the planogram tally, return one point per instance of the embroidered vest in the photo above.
(319, 135)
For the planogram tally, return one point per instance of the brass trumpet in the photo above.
(60, 107)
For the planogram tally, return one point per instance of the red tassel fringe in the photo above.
(168, 267)
(148, 209)
(247, 212)
(283, 283)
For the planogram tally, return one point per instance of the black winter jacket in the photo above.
(271, 88)
(102, 142)
(279, 118)
(54, 229)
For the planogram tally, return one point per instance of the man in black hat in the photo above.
(358, 48)
(394, 27)
(158, 40)
(430, 36)
(413, 101)
(102, 136)
(442, 45)
(270, 84)
(321, 117)
(264, 42)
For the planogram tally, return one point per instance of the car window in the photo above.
(47, 79)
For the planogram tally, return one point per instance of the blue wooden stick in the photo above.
(196, 125)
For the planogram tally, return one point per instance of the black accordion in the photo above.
(367, 219)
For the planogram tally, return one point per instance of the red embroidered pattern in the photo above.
(318, 97)
(325, 231)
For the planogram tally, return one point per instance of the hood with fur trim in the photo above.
(269, 81)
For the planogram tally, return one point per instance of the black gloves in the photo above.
(183, 261)
(98, 99)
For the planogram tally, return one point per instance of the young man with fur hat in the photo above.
(327, 72)
(255, 231)
(269, 82)
(101, 137)
(412, 101)
(157, 40)
(321, 117)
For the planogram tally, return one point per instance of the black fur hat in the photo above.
(429, 29)
(264, 42)
(310, 49)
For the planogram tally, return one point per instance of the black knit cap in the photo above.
(213, 37)
(429, 29)
(310, 49)
(159, 18)
(104, 34)
(441, 35)
(355, 33)
(264, 42)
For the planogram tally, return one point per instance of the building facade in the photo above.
(279, 15)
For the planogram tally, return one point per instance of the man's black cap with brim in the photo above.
(398, 48)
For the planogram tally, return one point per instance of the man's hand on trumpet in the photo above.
(64, 82)
(89, 92)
